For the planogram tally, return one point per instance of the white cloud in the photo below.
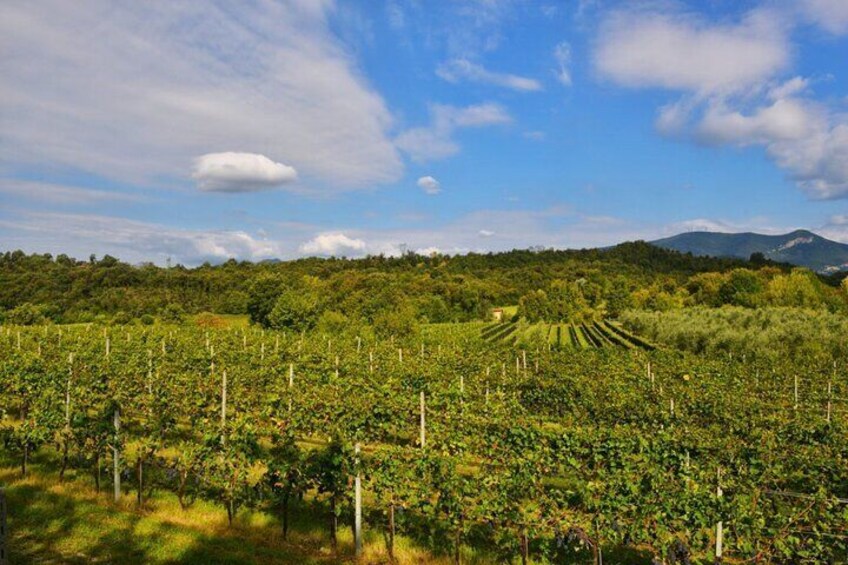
(457, 70)
(333, 244)
(133, 91)
(131, 240)
(562, 55)
(240, 172)
(53, 193)
(679, 51)
(727, 74)
(436, 140)
(486, 233)
(802, 137)
(429, 185)
(783, 120)
(830, 15)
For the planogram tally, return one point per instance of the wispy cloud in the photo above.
(134, 91)
(458, 70)
(436, 140)
(53, 193)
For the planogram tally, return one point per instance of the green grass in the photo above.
(69, 522)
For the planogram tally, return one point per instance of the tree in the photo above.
(25, 315)
(742, 288)
(535, 306)
(295, 309)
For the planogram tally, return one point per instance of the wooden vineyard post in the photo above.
(337, 366)
(370, 361)
(19, 339)
(400, 355)
(108, 346)
(423, 433)
(524, 359)
(4, 555)
(358, 344)
(116, 455)
(719, 546)
(357, 519)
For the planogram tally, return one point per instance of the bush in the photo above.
(332, 322)
(25, 315)
(400, 322)
(295, 309)
(121, 318)
(172, 314)
(147, 320)
(210, 320)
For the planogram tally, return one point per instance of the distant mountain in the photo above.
(800, 247)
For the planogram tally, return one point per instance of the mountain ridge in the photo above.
(801, 247)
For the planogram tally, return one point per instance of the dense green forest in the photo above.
(438, 288)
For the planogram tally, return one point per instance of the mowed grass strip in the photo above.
(69, 522)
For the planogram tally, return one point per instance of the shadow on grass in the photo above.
(52, 522)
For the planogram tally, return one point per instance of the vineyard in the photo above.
(597, 449)
(594, 334)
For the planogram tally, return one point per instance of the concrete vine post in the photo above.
(423, 432)
(224, 407)
(719, 546)
(116, 455)
(357, 526)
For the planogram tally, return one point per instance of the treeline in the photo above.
(388, 291)
(803, 335)
(583, 299)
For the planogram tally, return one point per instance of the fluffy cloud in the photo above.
(727, 75)
(429, 185)
(240, 172)
(784, 120)
(436, 140)
(133, 91)
(486, 233)
(679, 51)
(802, 137)
(562, 55)
(333, 244)
(457, 70)
(82, 234)
(831, 15)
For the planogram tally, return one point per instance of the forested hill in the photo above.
(800, 247)
(435, 288)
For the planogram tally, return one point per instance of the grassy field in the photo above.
(69, 522)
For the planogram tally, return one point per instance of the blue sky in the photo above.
(207, 130)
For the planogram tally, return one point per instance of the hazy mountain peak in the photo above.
(800, 247)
